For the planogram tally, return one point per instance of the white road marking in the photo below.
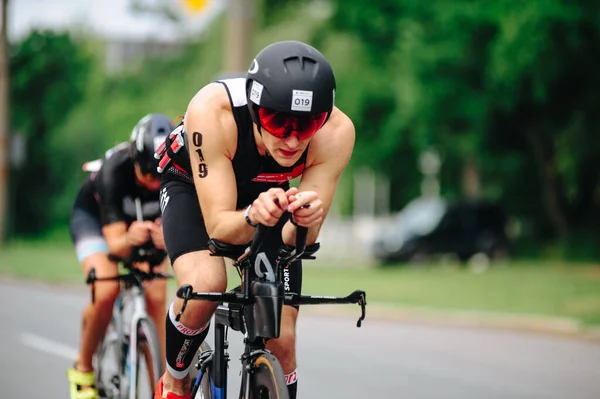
(49, 346)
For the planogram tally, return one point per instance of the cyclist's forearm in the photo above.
(231, 227)
(119, 246)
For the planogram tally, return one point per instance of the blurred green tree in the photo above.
(507, 89)
(49, 72)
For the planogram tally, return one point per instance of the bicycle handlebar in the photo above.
(139, 254)
(257, 239)
(286, 256)
(146, 252)
(134, 275)
(259, 235)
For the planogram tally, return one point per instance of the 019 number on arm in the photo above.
(202, 168)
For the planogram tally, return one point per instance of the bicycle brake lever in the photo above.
(91, 279)
(184, 292)
(360, 297)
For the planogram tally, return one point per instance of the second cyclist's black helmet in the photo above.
(291, 77)
(147, 134)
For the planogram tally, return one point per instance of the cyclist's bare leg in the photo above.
(97, 316)
(156, 297)
(207, 274)
(284, 347)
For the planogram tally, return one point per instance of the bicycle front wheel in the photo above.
(149, 364)
(267, 379)
(108, 365)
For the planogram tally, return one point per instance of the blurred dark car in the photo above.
(430, 226)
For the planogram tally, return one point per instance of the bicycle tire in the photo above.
(204, 391)
(107, 363)
(267, 380)
(145, 387)
(148, 356)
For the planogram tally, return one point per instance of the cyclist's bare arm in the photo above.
(116, 238)
(212, 139)
(328, 155)
(120, 239)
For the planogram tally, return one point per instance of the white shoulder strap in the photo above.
(92, 166)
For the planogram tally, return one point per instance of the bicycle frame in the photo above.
(139, 313)
(240, 317)
(135, 290)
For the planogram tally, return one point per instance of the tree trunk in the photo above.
(4, 122)
(470, 180)
(544, 157)
(237, 54)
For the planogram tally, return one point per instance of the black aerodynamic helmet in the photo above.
(148, 134)
(291, 78)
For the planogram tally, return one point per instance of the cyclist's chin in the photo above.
(286, 158)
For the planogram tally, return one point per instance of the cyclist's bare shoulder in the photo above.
(209, 114)
(333, 144)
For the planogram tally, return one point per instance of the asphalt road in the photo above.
(39, 335)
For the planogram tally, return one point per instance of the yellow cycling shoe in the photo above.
(83, 384)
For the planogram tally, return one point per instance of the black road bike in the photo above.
(255, 310)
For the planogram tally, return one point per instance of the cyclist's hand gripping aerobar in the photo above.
(306, 208)
(139, 233)
(270, 205)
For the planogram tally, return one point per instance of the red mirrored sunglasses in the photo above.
(282, 125)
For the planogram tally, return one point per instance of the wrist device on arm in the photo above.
(247, 216)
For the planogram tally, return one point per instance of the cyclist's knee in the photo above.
(105, 292)
(204, 272)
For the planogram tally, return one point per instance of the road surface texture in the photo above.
(383, 359)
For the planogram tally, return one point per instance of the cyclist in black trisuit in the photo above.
(227, 168)
(103, 222)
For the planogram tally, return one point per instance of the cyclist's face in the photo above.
(147, 180)
(285, 151)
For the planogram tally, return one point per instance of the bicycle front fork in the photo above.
(220, 359)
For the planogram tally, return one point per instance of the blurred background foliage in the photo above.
(506, 91)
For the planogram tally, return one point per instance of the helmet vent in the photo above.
(300, 64)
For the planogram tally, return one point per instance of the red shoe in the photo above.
(158, 392)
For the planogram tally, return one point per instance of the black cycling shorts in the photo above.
(184, 231)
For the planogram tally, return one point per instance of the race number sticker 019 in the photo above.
(302, 100)
(256, 92)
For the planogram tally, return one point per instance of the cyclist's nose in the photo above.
(292, 142)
